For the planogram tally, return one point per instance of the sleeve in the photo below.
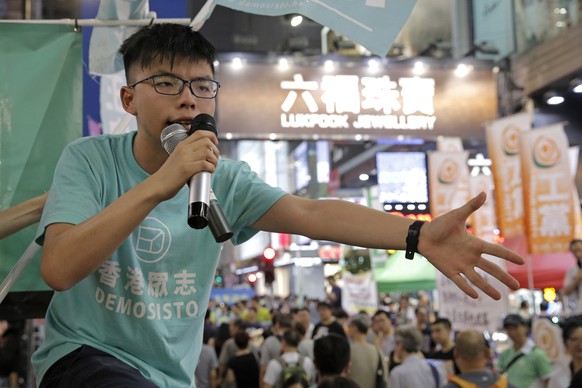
(394, 379)
(74, 194)
(213, 359)
(265, 354)
(309, 368)
(272, 373)
(243, 196)
(224, 353)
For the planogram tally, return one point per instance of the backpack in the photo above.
(292, 370)
(501, 383)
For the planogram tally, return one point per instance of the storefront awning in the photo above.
(398, 274)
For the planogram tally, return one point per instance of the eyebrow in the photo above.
(175, 76)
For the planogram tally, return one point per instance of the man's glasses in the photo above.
(171, 85)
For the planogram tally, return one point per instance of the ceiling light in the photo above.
(552, 98)
(576, 85)
(419, 68)
(283, 63)
(373, 65)
(462, 70)
(237, 63)
(296, 20)
(364, 177)
(328, 65)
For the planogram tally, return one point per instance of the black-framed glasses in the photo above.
(171, 85)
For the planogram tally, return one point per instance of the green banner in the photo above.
(40, 112)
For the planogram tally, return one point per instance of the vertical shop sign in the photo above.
(448, 181)
(549, 215)
(503, 138)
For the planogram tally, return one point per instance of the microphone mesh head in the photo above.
(172, 135)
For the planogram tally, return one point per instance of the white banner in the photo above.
(359, 293)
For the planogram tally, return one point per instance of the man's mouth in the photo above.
(185, 124)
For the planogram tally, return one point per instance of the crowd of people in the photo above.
(400, 345)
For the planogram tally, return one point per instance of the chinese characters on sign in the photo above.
(351, 101)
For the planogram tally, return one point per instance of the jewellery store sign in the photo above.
(259, 99)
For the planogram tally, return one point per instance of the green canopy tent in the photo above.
(398, 274)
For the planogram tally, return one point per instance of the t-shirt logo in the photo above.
(153, 240)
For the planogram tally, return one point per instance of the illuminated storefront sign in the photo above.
(261, 99)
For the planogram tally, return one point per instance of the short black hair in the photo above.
(574, 241)
(292, 338)
(569, 326)
(165, 42)
(241, 339)
(331, 354)
(443, 321)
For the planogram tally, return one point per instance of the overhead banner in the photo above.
(548, 188)
(372, 23)
(503, 144)
(448, 181)
(40, 112)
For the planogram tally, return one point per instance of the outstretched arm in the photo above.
(445, 241)
(21, 215)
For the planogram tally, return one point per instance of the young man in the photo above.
(327, 322)
(523, 362)
(441, 333)
(366, 360)
(133, 279)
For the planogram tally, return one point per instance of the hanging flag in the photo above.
(372, 23)
(503, 145)
(483, 221)
(549, 215)
(40, 112)
(448, 181)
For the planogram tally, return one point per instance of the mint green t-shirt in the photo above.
(527, 369)
(145, 305)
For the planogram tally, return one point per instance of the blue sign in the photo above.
(372, 23)
(231, 295)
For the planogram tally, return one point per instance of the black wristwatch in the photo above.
(412, 239)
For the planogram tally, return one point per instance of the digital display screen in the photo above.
(402, 177)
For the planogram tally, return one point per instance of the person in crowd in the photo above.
(414, 371)
(251, 318)
(303, 316)
(271, 347)
(335, 294)
(210, 330)
(136, 287)
(472, 356)
(289, 356)
(327, 322)
(406, 314)
(423, 325)
(331, 356)
(342, 317)
(206, 374)
(243, 367)
(305, 347)
(442, 335)
(367, 362)
(263, 314)
(383, 332)
(570, 374)
(523, 362)
(10, 368)
(573, 278)
(338, 382)
(229, 348)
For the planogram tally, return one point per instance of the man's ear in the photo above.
(347, 369)
(126, 95)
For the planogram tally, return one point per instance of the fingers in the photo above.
(498, 272)
(474, 203)
(464, 286)
(478, 281)
(502, 252)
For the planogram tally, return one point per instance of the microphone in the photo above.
(170, 137)
(199, 199)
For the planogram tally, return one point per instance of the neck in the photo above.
(577, 363)
(517, 344)
(445, 347)
(470, 366)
